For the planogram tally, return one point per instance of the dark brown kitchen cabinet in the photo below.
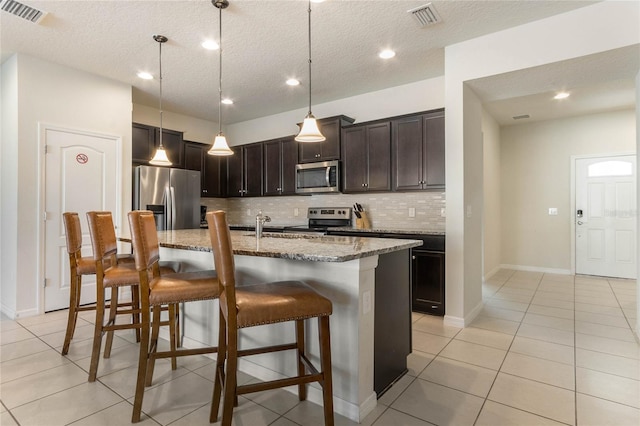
(418, 146)
(330, 148)
(145, 139)
(244, 171)
(280, 159)
(196, 158)
(427, 270)
(366, 153)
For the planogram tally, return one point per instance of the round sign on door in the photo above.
(82, 158)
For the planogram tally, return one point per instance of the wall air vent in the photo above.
(23, 11)
(521, 117)
(425, 15)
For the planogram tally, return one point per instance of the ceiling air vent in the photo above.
(521, 117)
(22, 11)
(425, 15)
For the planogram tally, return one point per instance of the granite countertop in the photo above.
(315, 248)
(402, 231)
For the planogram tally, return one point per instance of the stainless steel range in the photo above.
(321, 218)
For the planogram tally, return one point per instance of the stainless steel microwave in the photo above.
(318, 177)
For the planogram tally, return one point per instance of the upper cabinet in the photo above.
(366, 157)
(330, 148)
(280, 159)
(210, 167)
(145, 140)
(418, 146)
(244, 171)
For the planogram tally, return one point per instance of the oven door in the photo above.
(318, 177)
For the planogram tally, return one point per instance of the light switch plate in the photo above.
(296, 211)
(553, 211)
(412, 212)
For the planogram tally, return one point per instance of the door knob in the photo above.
(580, 222)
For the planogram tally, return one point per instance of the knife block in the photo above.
(363, 222)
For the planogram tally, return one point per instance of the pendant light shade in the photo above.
(220, 146)
(160, 157)
(310, 131)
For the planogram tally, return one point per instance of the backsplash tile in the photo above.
(388, 210)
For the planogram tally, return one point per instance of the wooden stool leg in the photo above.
(135, 306)
(74, 302)
(219, 378)
(97, 335)
(153, 346)
(325, 361)
(172, 334)
(302, 387)
(142, 365)
(113, 311)
(230, 377)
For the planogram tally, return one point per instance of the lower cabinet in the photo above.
(427, 281)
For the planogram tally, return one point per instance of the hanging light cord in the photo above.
(309, 13)
(220, 75)
(160, 43)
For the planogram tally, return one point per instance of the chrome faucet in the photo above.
(260, 221)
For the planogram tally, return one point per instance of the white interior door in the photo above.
(80, 176)
(606, 216)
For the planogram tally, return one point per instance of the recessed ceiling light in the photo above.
(293, 82)
(227, 101)
(387, 54)
(145, 75)
(210, 45)
(562, 95)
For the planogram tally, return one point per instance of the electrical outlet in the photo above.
(412, 212)
(248, 212)
(553, 211)
(296, 211)
(469, 211)
(366, 302)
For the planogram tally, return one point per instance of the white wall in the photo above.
(536, 175)
(56, 95)
(638, 198)
(194, 129)
(415, 97)
(492, 227)
(8, 189)
(588, 30)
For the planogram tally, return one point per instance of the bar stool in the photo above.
(113, 275)
(269, 303)
(78, 266)
(158, 289)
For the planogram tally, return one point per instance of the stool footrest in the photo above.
(280, 383)
(267, 349)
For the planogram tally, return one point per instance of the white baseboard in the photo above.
(7, 311)
(537, 269)
(467, 320)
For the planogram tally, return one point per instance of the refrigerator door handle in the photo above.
(173, 207)
(168, 205)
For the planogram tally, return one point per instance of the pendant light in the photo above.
(220, 146)
(160, 158)
(310, 131)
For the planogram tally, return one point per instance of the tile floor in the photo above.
(546, 349)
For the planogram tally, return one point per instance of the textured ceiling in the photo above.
(265, 42)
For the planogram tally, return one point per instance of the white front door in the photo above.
(606, 216)
(80, 176)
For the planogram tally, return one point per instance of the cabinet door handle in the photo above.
(413, 257)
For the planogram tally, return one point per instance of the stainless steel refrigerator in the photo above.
(172, 194)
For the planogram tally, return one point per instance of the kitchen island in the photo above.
(350, 271)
